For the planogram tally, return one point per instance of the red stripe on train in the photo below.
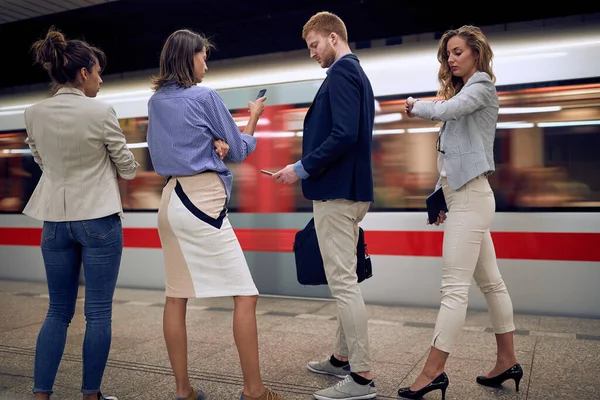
(509, 245)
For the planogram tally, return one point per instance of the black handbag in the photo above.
(309, 263)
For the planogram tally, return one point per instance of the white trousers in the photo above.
(468, 252)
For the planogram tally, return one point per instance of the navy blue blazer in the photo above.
(338, 133)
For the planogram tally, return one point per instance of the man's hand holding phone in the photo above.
(286, 175)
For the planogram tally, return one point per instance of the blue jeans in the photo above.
(98, 243)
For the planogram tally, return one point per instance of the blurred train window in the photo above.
(19, 174)
(546, 155)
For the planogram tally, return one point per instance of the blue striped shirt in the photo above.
(182, 126)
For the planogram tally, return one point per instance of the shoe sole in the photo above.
(362, 397)
(318, 371)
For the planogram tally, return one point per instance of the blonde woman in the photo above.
(469, 112)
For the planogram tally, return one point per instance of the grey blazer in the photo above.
(467, 136)
(80, 147)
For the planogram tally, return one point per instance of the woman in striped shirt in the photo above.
(190, 130)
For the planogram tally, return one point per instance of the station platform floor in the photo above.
(560, 356)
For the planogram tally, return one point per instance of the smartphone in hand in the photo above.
(261, 93)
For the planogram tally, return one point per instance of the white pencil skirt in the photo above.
(202, 255)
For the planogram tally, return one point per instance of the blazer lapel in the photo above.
(316, 95)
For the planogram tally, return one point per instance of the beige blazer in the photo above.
(80, 147)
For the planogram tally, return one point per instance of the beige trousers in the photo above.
(336, 224)
(468, 252)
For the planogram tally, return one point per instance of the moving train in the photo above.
(547, 179)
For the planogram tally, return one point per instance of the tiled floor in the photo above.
(560, 356)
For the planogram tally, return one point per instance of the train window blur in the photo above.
(546, 155)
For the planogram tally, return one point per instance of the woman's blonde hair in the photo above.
(450, 85)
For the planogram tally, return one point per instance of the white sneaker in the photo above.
(327, 368)
(347, 389)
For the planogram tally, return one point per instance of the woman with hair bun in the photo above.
(80, 148)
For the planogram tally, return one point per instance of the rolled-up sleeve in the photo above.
(222, 126)
(115, 143)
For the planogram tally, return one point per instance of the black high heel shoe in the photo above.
(515, 372)
(441, 382)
